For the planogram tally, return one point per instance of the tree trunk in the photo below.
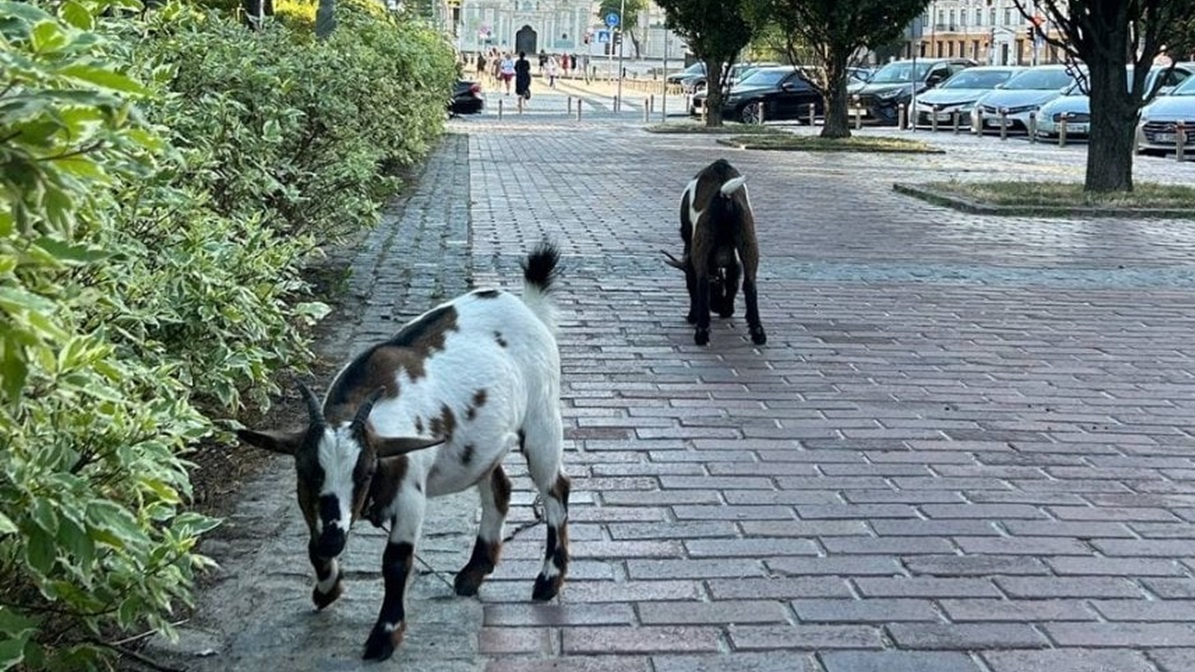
(1113, 124)
(837, 122)
(713, 92)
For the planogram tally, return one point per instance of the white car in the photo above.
(1022, 94)
(1076, 107)
(1157, 130)
(960, 93)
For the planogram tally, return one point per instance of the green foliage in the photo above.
(163, 179)
(716, 30)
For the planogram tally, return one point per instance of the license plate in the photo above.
(945, 116)
(1166, 137)
(853, 111)
(1077, 128)
(994, 122)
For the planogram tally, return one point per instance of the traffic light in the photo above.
(1029, 33)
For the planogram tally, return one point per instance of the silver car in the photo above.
(1157, 130)
(1075, 107)
(1022, 94)
(960, 93)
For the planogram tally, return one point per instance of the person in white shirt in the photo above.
(507, 71)
(552, 69)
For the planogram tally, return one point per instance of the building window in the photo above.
(952, 19)
(992, 16)
(975, 49)
(1008, 16)
(950, 48)
(979, 17)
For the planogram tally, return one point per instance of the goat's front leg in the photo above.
(750, 255)
(691, 287)
(701, 334)
(495, 502)
(398, 563)
(329, 583)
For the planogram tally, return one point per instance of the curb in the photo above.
(981, 208)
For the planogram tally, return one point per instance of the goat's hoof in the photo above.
(701, 336)
(468, 581)
(758, 336)
(381, 644)
(322, 600)
(546, 588)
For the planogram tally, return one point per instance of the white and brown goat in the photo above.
(718, 230)
(432, 411)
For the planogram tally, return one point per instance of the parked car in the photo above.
(695, 70)
(737, 72)
(1022, 94)
(894, 85)
(1157, 129)
(958, 94)
(860, 74)
(1075, 107)
(466, 98)
(778, 92)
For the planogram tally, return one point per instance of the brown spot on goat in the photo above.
(444, 425)
(501, 341)
(477, 402)
(467, 454)
(384, 488)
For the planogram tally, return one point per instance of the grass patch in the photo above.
(814, 143)
(731, 128)
(1057, 198)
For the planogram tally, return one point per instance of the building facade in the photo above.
(992, 32)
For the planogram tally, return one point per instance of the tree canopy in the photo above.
(716, 30)
(1106, 37)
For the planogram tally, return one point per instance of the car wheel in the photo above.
(751, 113)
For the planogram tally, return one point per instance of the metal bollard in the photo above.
(933, 122)
(1032, 128)
(812, 114)
(977, 122)
(1004, 123)
(902, 116)
(499, 108)
(519, 105)
(954, 117)
(651, 103)
(1180, 140)
(578, 109)
(858, 118)
(1062, 132)
(570, 104)
(646, 110)
(614, 103)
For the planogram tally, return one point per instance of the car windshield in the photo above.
(1040, 80)
(973, 78)
(768, 77)
(901, 71)
(1187, 88)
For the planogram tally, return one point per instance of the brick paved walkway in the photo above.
(967, 446)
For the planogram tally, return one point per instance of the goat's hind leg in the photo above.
(544, 454)
(495, 502)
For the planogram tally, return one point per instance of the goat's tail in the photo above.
(539, 273)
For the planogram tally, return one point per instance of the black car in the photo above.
(894, 84)
(778, 92)
(466, 98)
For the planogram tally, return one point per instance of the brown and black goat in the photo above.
(718, 230)
(432, 411)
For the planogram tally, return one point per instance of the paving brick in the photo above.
(973, 610)
(642, 639)
(804, 528)
(1146, 610)
(712, 613)
(731, 512)
(693, 569)
(931, 528)
(789, 661)
(1174, 660)
(898, 661)
(974, 565)
(1033, 528)
(887, 545)
(839, 565)
(982, 511)
(551, 615)
(1156, 548)
(751, 548)
(1167, 589)
(515, 640)
(1040, 587)
(779, 588)
(658, 497)
(1068, 660)
(926, 587)
(571, 664)
(1022, 546)
(628, 591)
(1130, 567)
(1121, 635)
(673, 530)
(788, 497)
(808, 637)
(865, 611)
(966, 637)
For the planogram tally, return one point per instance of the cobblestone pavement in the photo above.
(967, 445)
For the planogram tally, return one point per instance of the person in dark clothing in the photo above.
(523, 76)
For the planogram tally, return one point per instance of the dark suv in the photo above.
(894, 84)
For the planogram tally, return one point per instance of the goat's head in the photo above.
(334, 466)
(723, 281)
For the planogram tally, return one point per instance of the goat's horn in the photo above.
(313, 406)
(673, 261)
(366, 407)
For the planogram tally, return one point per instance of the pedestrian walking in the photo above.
(480, 66)
(507, 72)
(522, 70)
(564, 65)
(543, 61)
(553, 68)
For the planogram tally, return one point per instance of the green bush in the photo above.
(163, 181)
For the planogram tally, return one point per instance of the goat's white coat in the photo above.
(728, 188)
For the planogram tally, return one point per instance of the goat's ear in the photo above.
(393, 447)
(286, 443)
